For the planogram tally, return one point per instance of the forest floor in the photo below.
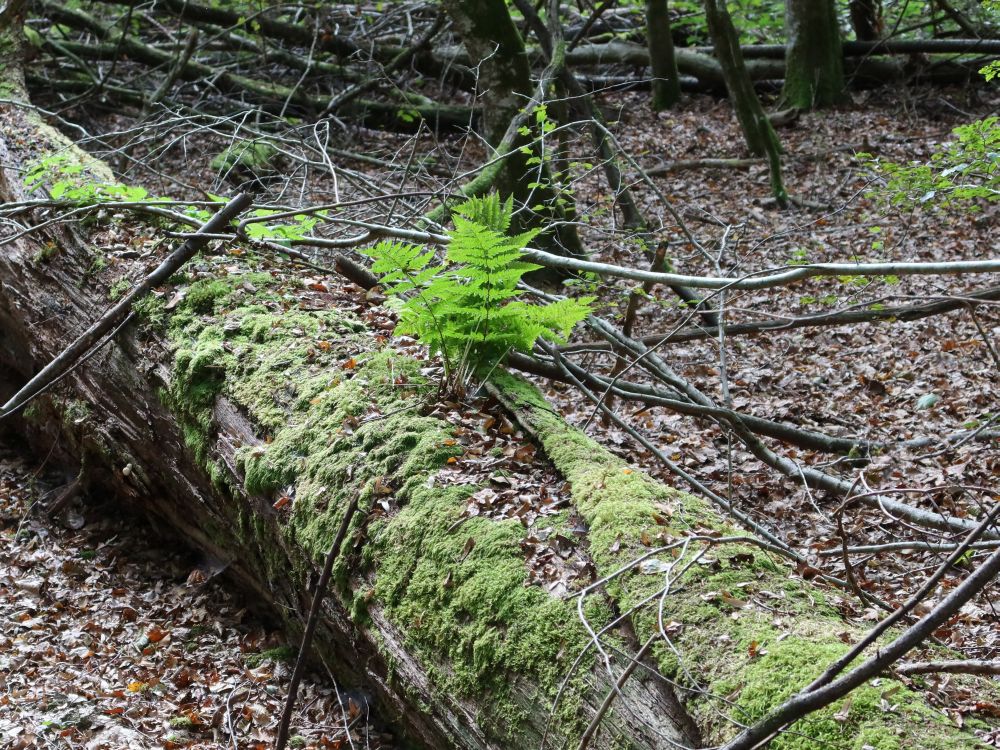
(95, 608)
(113, 636)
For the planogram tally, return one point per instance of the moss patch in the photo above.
(745, 633)
(253, 155)
(341, 422)
(281, 653)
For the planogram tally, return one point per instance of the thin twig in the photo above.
(307, 636)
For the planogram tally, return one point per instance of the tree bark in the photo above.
(663, 62)
(757, 130)
(814, 61)
(497, 49)
(866, 19)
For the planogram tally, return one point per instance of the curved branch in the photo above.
(768, 279)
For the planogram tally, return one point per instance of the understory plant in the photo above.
(469, 308)
(964, 171)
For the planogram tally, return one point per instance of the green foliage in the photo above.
(256, 156)
(968, 168)
(468, 308)
(70, 183)
(281, 233)
(992, 70)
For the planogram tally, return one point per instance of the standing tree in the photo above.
(757, 129)
(814, 61)
(663, 62)
(866, 19)
(491, 37)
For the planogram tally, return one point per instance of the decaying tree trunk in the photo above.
(457, 649)
(248, 424)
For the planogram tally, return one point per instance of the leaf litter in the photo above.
(108, 640)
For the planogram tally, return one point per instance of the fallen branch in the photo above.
(770, 278)
(650, 361)
(313, 619)
(966, 666)
(914, 546)
(840, 317)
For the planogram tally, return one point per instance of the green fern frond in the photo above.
(488, 211)
(470, 310)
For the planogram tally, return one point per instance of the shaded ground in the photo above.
(112, 638)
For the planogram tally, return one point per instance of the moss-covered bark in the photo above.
(479, 631)
(265, 399)
(814, 62)
(743, 632)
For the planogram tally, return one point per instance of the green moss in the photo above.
(33, 412)
(254, 155)
(471, 606)
(883, 714)
(119, 288)
(182, 722)
(97, 264)
(75, 412)
(151, 309)
(746, 634)
(344, 422)
(281, 653)
(46, 252)
(341, 422)
(202, 296)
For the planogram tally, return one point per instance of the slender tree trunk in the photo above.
(663, 62)
(814, 75)
(760, 136)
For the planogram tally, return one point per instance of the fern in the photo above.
(468, 309)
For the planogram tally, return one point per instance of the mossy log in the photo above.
(225, 398)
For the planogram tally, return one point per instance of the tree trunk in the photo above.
(814, 61)
(866, 19)
(207, 414)
(498, 53)
(757, 129)
(663, 62)
(246, 411)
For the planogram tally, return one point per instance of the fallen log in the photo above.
(867, 71)
(457, 649)
(248, 416)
